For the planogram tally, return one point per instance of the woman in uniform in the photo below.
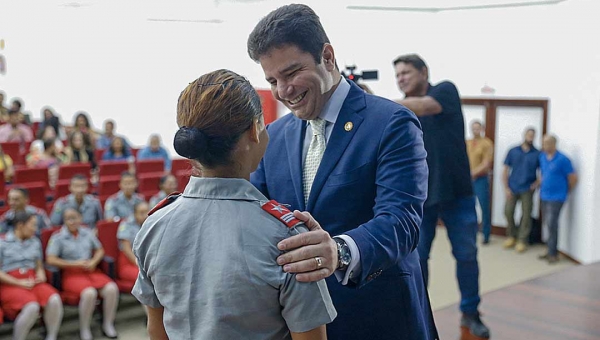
(128, 229)
(207, 260)
(23, 287)
(167, 185)
(77, 251)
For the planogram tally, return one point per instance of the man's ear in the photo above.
(328, 57)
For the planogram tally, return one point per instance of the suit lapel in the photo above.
(294, 140)
(339, 139)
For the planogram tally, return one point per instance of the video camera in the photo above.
(355, 77)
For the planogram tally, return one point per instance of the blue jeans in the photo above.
(551, 211)
(481, 186)
(460, 219)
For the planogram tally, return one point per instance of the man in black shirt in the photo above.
(450, 193)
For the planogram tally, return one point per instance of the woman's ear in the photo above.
(255, 130)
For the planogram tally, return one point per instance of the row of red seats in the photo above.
(148, 173)
(18, 155)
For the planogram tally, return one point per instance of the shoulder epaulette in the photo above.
(164, 202)
(281, 212)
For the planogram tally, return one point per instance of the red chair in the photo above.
(37, 193)
(107, 234)
(149, 183)
(2, 183)
(150, 165)
(35, 127)
(70, 170)
(13, 149)
(98, 153)
(29, 175)
(112, 168)
(180, 164)
(108, 185)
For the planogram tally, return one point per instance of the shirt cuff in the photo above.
(354, 268)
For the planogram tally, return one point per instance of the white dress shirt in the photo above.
(330, 113)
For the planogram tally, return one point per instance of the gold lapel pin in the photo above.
(348, 126)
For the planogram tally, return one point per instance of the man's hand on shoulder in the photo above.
(311, 255)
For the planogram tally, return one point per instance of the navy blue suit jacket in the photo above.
(371, 185)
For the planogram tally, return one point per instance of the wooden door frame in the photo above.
(491, 105)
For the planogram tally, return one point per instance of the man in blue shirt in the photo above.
(155, 151)
(520, 182)
(557, 180)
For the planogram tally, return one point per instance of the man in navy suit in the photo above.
(357, 163)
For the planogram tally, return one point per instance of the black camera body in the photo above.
(350, 74)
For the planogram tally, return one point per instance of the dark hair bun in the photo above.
(190, 143)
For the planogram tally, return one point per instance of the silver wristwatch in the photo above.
(344, 256)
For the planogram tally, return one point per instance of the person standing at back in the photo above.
(520, 182)
(356, 162)
(450, 195)
(557, 180)
(481, 156)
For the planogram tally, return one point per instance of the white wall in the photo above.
(108, 59)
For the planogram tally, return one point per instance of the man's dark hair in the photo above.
(296, 25)
(413, 59)
(476, 121)
(79, 177)
(17, 102)
(22, 190)
(530, 129)
(126, 174)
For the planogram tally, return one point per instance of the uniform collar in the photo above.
(222, 189)
(11, 237)
(65, 231)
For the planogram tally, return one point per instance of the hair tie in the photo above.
(190, 142)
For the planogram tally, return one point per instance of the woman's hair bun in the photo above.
(190, 142)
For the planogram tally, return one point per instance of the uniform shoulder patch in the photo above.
(164, 202)
(281, 212)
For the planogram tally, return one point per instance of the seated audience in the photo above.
(87, 205)
(17, 106)
(82, 124)
(3, 109)
(48, 133)
(155, 151)
(109, 134)
(77, 152)
(49, 159)
(117, 151)
(120, 205)
(71, 250)
(50, 119)
(167, 185)
(127, 268)
(6, 166)
(23, 288)
(18, 200)
(15, 131)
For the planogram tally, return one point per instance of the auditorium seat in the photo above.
(107, 234)
(112, 168)
(29, 175)
(70, 170)
(150, 165)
